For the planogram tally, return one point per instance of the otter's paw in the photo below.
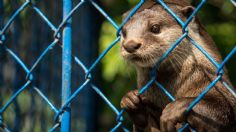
(131, 101)
(133, 105)
(172, 115)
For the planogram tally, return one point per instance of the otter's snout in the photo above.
(131, 46)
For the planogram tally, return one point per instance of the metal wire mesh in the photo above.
(59, 112)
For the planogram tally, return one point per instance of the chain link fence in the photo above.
(62, 38)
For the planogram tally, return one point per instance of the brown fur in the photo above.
(185, 73)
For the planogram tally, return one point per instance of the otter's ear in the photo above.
(187, 11)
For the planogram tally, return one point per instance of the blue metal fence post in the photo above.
(66, 66)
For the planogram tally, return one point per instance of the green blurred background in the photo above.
(114, 76)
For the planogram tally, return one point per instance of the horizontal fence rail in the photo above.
(62, 115)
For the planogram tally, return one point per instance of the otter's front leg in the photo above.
(134, 106)
(210, 114)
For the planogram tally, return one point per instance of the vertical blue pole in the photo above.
(66, 66)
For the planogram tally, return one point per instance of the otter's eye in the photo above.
(155, 29)
(123, 32)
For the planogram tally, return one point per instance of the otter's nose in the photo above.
(131, 46)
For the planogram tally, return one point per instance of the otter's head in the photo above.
(150, 32)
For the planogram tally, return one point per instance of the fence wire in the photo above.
(29, 82)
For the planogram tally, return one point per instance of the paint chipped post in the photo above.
(66, 66)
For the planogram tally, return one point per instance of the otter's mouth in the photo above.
(140, 61)
(133, 58)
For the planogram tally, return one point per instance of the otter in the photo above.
(185, 73)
